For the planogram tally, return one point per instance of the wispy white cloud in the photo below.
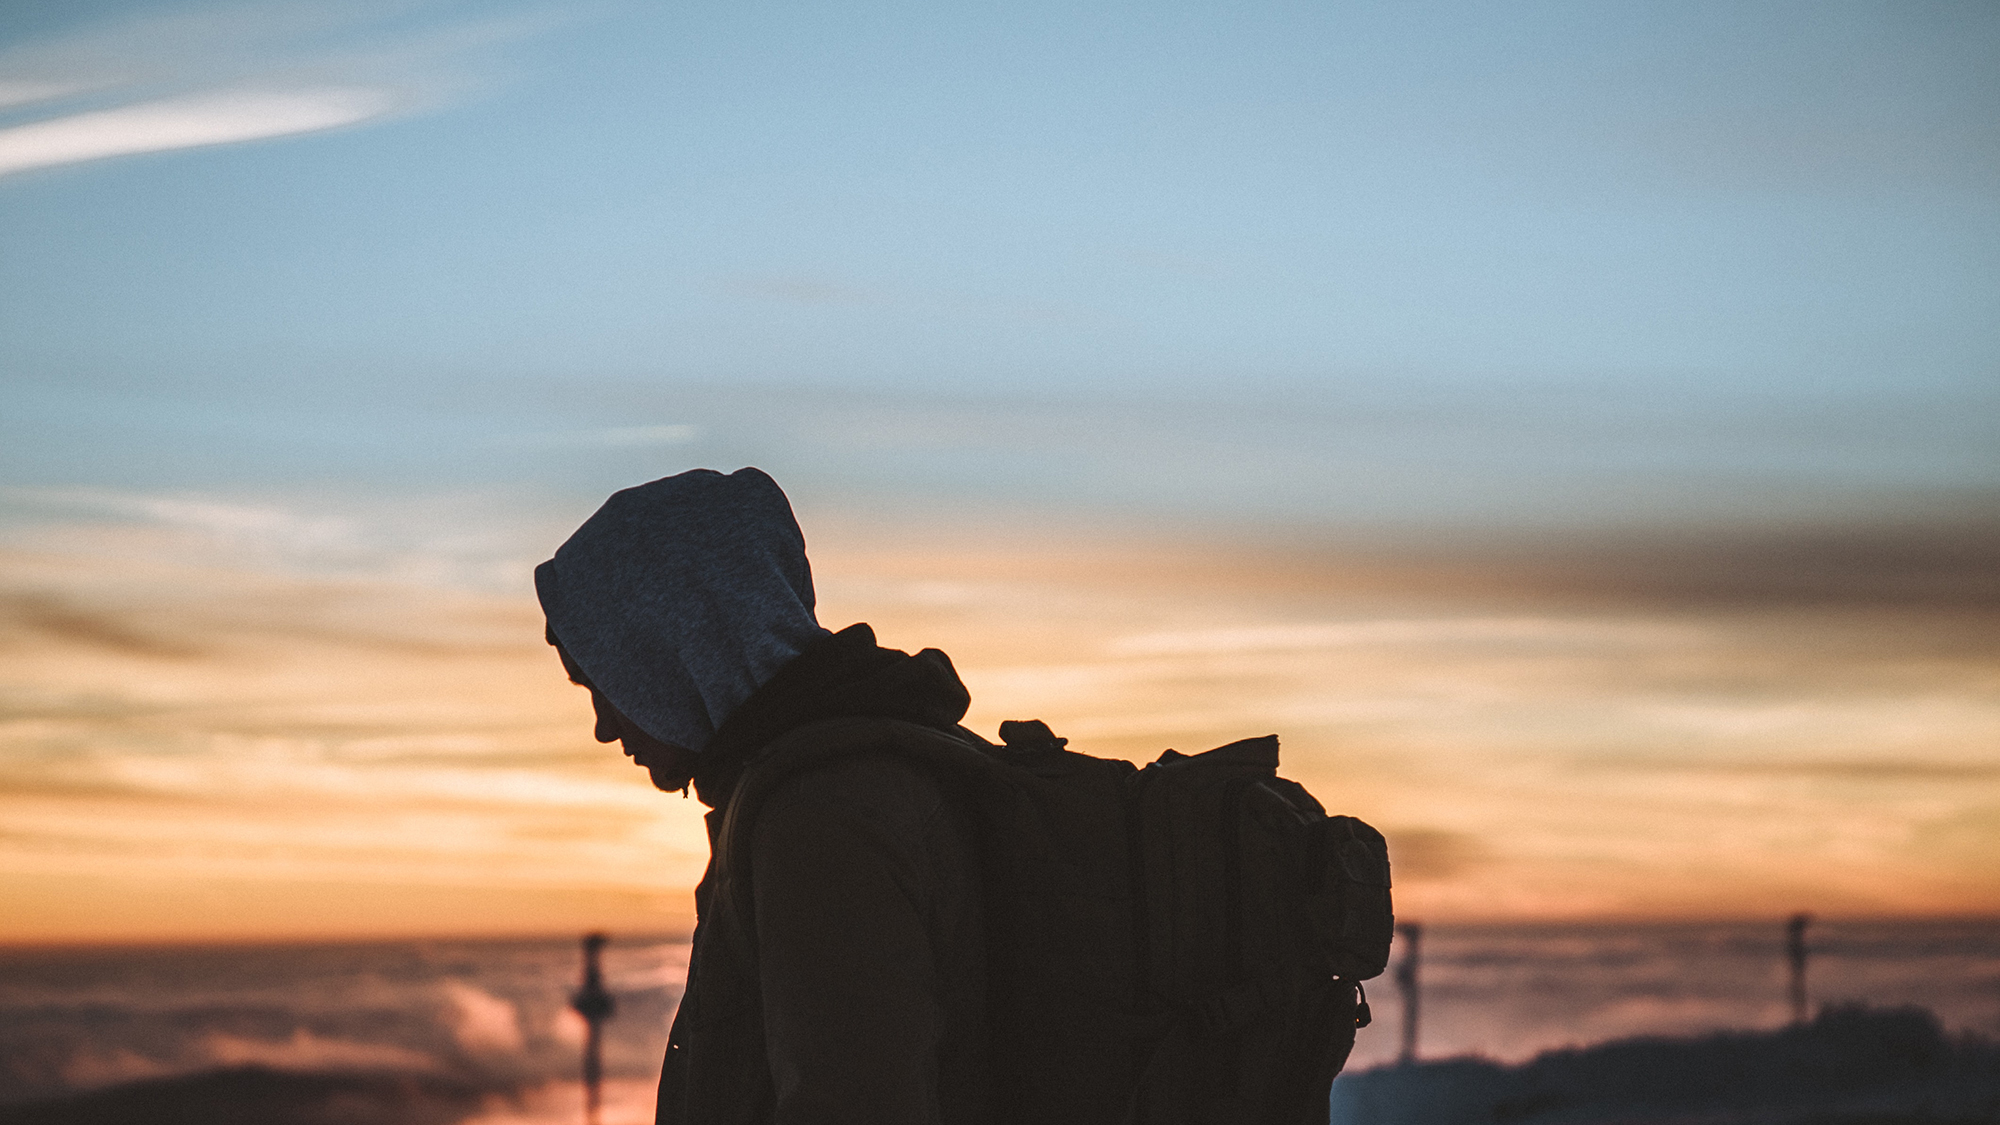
(260, 527)
(223, 74)
(446, 540)
(189, 122)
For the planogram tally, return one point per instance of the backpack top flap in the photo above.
(1249, 754)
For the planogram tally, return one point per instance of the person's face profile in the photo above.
(670, 766)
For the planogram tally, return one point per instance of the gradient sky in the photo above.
(1586, 408)
(1651, 245)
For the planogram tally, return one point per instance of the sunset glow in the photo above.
(201, 752)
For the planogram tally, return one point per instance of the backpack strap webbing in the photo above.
(956, 760)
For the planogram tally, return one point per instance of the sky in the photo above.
(1573, 427)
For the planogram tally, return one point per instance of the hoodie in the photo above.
(681, 597)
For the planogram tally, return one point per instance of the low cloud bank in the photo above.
(1893, 1067)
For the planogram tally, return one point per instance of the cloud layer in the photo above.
(303, 750)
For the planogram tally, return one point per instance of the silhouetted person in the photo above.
(595, 1005)
(1412, 934)
(1795, 957)
(845, 982)
(903, 924)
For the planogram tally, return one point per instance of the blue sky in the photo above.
(1187, 371)
(1333, 263)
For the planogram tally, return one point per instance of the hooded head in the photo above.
(681, 597)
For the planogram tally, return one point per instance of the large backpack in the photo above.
(1182, 944)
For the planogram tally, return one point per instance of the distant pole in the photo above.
(1406, 983)
(595, 1005)
(1795, 954)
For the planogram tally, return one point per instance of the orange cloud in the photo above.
(193, 752)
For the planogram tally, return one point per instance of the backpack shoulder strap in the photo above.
(958, 759)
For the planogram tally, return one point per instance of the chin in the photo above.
(665, 781)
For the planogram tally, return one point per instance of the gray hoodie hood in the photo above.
(681, 597)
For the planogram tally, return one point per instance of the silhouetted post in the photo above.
(1795, 953)
(595, 1005)
(1406, 982)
